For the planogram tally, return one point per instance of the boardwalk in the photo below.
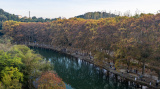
(125, 76)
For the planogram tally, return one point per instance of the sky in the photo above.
(71, 8)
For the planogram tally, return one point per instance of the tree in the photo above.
(101, 58)
(128, 37)
(1, 85)
(7, 60)
(40, 19)
(19, 65)
(34, 17)
(144, 53)
(33, 63)
(50, 80)
(11, 78)
(3, 18)
(96, 15)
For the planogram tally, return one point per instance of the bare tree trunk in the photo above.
(159, 75)
(143, 68)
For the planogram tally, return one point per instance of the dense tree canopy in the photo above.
(20, 66)
(50, 80)
(96, 15)
(124, 37)
(4, 16)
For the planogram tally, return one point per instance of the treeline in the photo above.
(4, 16)
(96, 15)
(119, 39)
(7, 16)
(20, 67)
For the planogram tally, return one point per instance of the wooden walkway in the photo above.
(126, 76)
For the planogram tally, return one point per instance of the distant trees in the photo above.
(7, 16)
(4, 16)
(96, 15)
(34, 17)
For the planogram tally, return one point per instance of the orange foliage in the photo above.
(89, 35)
(50, 80)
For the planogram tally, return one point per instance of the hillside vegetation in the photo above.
(96, 15)
(20, 66)
(127, 38)
(4, 16)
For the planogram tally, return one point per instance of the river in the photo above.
(78, 74)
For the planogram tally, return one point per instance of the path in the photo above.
(129, 76)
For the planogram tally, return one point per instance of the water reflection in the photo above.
(78, 74)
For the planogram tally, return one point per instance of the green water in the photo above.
(78, 74)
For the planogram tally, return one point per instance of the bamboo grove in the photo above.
(119, 39)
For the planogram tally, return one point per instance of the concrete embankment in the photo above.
(123, 76)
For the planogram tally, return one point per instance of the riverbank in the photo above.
(133, 78)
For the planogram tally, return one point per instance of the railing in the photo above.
(88, 58)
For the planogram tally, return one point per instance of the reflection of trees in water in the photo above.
(80, 74)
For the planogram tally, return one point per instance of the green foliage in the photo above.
(1, 85)
(33, 64)
(7, 60)
(11, 77)
(5, 40)
(5, 43)
(4, 16)
(19, 65)
(96, 15)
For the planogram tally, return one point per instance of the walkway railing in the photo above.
(127, 76)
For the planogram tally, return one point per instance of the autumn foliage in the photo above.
(136, 37)
(50, 80)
